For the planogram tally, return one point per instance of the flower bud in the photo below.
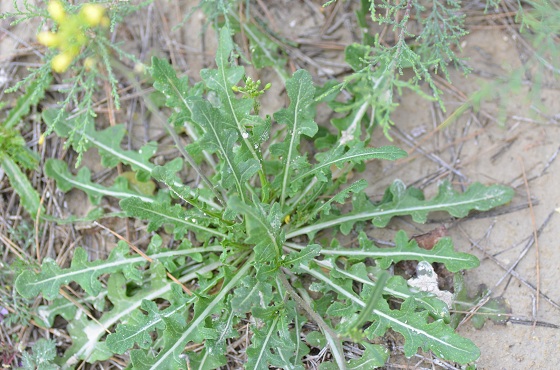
(48, 39)
(61, 62)
(56, 10)
(92, 14)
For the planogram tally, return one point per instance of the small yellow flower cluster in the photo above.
(71, 35)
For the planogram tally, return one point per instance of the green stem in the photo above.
(374, 298)
(317, 318)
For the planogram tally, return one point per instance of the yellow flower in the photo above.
(92, 14)
(61, 62)
(56, 10)
(48, 39)
(73, 32)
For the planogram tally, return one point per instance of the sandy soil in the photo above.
(523, 147)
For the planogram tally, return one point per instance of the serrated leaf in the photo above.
(419, 333)
(356, 154)
(273, 343)
(174, 340)
(177, 92)
(304, 256)
(86, 334)
(477, 197)
(396, 287)
(175, 89)
(263, 224)
(238, 166)
(414, 326)
(298, 121)
(162, 174)
(138, 327)
(223, 78)
(184, 192)
(49, 279)
(260, 352)
(406, 250)
(340, 198)
(161, 213)
(251, 293)
(107, 143)
(400, 201)
(213, 355)
(65, 181)
(44, 352)
(83, 272)
(235, 113)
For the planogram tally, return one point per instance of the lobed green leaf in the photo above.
(65, 181)
(400, 201)
(356, 154)
(298, 121)
(175, 337)
(107, 143)
(416, 329)
(183, 221)
(396, 287)
(408, 250)
(48, 281)
(177, 93)
(87, 334)
(263, 225)
(138, 327)
(237, 164)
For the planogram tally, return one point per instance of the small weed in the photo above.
(255, 225)
(260, 233)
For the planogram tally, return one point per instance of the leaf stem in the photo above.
(327, 330)
(374, 298)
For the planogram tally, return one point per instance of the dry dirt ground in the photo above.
(520, 153)
(517, 245)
